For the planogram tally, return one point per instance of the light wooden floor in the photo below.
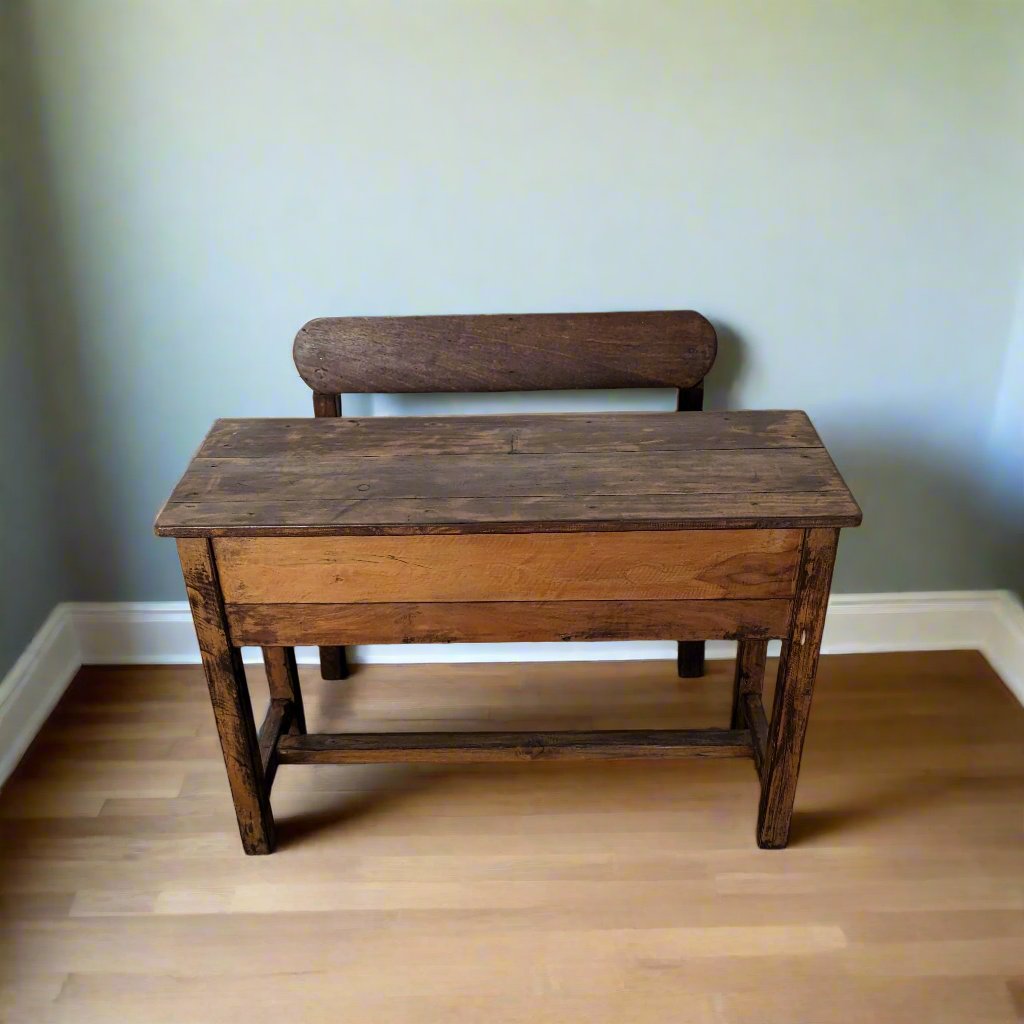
(596, 893)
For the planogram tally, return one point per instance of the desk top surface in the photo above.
(509, 474)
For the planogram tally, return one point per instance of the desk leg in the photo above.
(794, 689)
(690, 659)
(283, 680)
(333, 663)
(229, 695)
(750, 662)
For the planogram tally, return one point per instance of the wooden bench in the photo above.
(521, 352)
(551, 527)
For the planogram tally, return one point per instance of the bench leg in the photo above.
(283, 680)
(794, 689)
(750, 661)
(229, 695)
(333, 663)
(690, 659)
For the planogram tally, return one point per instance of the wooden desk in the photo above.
(422, 530)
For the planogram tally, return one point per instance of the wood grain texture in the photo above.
(752, 712)
(512, 567)
(326, 405)
(508, 434)
(340, 477)
(797, 669)
(529, 474)
(504, 621)
(333, 660)
(229, 696)
(594, 891)
(283, 680)
(748, 678)
(531, 352)
(325, 517)
(277, 723)
(469, 747)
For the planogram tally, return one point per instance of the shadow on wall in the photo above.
(722, 384)
(53, 307)
(932, 517)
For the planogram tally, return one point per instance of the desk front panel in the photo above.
(488, 587)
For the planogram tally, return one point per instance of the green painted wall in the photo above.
(31, 559)
(836, 185)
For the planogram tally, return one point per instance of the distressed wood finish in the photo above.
(341, 477)
(499, 353)
(507, 434)
(513, 567)
(229, 696)
(468, 747)
(277, 723)
(504, 621)
(757, 723)
(794, 689)
(526, 529)
(531, 352)
(333, 660)
(282, 678)
(397, 517)
(637, 471)
(749, 676)
(326, 405)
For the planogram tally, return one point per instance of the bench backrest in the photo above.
(524, 352)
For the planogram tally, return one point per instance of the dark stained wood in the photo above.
(526, 352)
(690, 658)
(515, 567)
(413, 476)
(690, 399)
(326, 405)
(501, 353)
(497, 621)
(794, 689)
(283, 681)
(229, 696)
(277, 723)
(367, 748)
(341, 477)
(690, 653)
(527, 514)
(751, 657)
(333, 663)
(518, 434)
(583, 527)
(754, 717)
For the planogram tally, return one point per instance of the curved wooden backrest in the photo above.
(526, 352)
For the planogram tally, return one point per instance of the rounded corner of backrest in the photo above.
(300, 347)
(699, 336)
(711, 340)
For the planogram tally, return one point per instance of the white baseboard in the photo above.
(36, 681)
(160, 633)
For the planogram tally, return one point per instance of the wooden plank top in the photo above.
(509, 474)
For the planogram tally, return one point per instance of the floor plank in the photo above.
(522, 893)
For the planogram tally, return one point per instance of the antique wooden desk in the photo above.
(552, 527)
